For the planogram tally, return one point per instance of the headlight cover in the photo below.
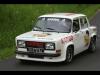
(49, 46)
(20, 43)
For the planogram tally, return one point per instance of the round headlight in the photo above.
(50, 46)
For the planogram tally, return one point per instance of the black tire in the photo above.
(92, 47)
(69, 55)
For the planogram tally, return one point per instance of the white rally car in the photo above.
(57, 37)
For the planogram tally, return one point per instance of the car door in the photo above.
(78, 36)
(85, 30)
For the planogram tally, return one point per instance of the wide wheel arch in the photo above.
(94, 37)
(72, 46)
(67, 48)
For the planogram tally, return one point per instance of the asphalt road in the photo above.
(83, 62)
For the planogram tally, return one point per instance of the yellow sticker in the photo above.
(86, 40)
(40, 35)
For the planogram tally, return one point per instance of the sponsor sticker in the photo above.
(52, 19)
(66, 39)
(40, 35)
(86, 40)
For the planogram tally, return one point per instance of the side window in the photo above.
(76, 26)
(83, 22)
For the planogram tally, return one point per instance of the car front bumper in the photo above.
(44, 57)
(38, 54)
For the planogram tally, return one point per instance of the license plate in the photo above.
(35, 50)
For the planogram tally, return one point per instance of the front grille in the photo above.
(34, 44)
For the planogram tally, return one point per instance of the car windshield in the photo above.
(53, 25)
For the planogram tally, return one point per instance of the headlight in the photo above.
(20, 43)
(50, 46)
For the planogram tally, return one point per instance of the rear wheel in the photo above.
(92, 47)
(69, 54)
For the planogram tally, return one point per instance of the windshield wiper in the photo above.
(50, 28)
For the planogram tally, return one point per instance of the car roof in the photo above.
(63, 15)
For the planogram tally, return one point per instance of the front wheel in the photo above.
(69, 55)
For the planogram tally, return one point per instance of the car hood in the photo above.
(44, 36)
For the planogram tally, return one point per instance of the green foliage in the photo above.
(16, 19)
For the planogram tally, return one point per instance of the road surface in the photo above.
(83, 62)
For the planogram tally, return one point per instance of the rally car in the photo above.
(57, 37)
